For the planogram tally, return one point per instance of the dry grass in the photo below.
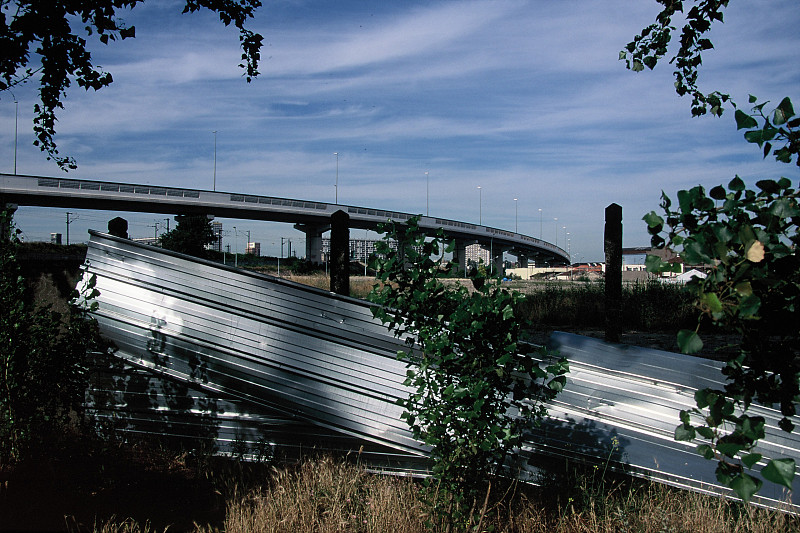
(360, 286)
(328, 495)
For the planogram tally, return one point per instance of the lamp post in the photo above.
(336, 186)
(565, 234)
(215, 160)
(516, 216)
(427, 195)
(540, 224)
(556, 222)
(235, 248)
(480, 206)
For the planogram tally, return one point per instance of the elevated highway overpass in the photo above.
(313, 218)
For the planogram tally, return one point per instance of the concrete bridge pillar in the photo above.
(497, 261)
(460, 254)
(313, 240)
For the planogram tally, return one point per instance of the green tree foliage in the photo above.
(652, 45)
(48, 39)
(749, 239)
(190, 236)
(475, 389)
(43, 360)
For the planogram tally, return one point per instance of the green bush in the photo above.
(43, 360)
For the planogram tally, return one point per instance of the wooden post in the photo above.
(613, 250)
(340, 253)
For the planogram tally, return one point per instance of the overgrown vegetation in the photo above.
(646, 306)
(475, 390)
(43, 360)
(750, 240)
(190, 236)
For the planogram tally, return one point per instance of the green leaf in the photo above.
(780, 471)
(653, 220)
(751, 459)
(706, 451)
(711, 300)
(705, 432)
(749, 306)
(684, 432)
(729, 448)
(784, 112)
(743, 120)
(745, 485)
(689, 341)
(736, 184)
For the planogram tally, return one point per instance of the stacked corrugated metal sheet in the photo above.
(257, 365)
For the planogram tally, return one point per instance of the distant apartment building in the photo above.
(254, 248)
(216, 227)
(477, 253)
(359, 248)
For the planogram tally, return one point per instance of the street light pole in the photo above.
(556, 222)
(215, 160)
(235, 248)
(516, 216)
(427, 195)
(480, 206)
(540, 225)
(336, 186)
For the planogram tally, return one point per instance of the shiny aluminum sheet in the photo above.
(301, 360)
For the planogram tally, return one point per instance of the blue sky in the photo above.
(525, 99)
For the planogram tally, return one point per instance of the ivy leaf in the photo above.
(780, 471)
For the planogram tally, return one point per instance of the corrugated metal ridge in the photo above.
(305, 354)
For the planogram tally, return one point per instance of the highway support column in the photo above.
(313, 234)
(460, 255)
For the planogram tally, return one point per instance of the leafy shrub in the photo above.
(474, 389)
(42, 359)
(749, 238)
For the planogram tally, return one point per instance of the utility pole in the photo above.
(70, 221)
(155, 230)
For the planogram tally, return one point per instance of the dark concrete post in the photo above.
(340, 253)
(118, 227)
(613, 249)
